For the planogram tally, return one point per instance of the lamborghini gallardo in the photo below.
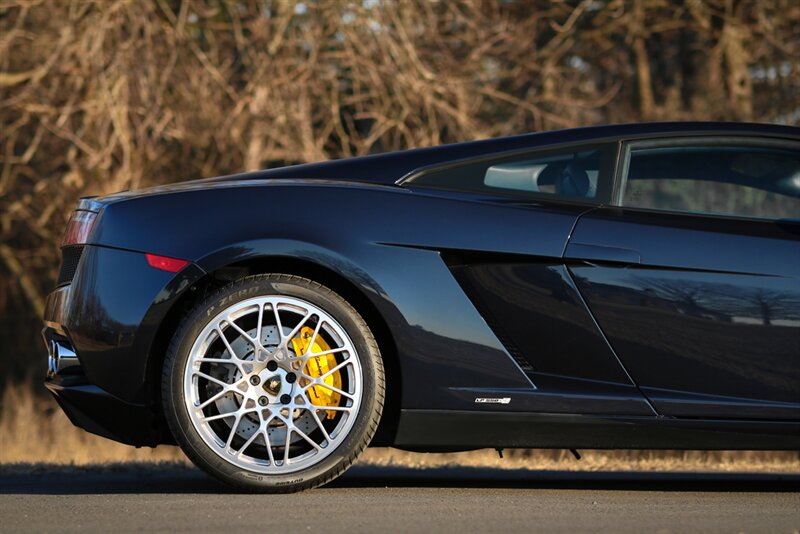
(628, 286)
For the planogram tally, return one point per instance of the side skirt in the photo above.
(436, 430)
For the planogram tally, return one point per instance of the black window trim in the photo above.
(619, 139)
(612, 144)
(627, 146)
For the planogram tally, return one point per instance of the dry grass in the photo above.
(34, 430)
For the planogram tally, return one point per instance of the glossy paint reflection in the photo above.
(674, 330)
(708, 323)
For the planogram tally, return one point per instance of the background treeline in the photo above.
(101, 96)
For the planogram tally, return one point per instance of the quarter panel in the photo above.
(385, 241)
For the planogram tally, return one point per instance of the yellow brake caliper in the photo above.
(316, 367)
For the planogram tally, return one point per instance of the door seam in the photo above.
(608, 343)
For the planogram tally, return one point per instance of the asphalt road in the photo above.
(377, 499)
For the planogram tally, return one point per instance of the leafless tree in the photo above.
(113, 94)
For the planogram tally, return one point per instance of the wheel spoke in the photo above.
(211, 399)
(247, 443)
(347, 409)
(305, 437)
(219, 416)
(331, 371)
(300, 325)
(313, 412)
(303, 360)
(287, 444)
(259, 323)
(225, 342)
(332, 388)
(314, 336)
(326, 352)
(268, 442)
(224, 361)
(232, 433)
(245, 335)
(211, 379)
(278, 321)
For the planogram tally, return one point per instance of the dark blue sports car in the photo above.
(632, 286)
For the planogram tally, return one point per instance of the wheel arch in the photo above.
(274, 264)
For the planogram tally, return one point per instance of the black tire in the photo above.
(366, 420)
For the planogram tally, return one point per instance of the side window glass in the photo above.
(748, 181)
(583, 173)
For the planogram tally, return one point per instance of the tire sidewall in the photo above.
(178, 356)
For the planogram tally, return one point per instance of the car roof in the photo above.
(388, 168)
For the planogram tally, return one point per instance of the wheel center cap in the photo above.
(272, 385)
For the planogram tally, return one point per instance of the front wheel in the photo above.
(273, 384)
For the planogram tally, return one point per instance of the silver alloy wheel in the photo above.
(254, 397)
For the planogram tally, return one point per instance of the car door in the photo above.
(694, 275)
